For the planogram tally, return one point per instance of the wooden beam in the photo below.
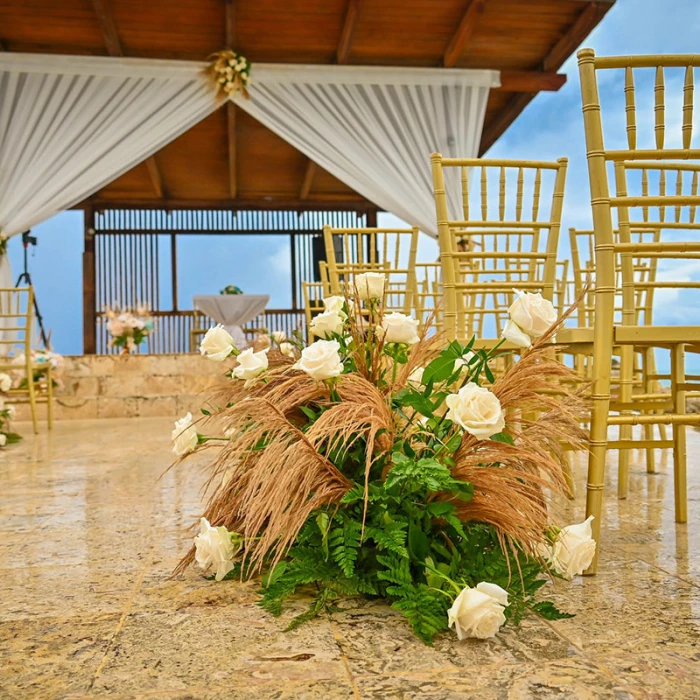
(89, 285)
(530, 81)
(501, 121)
(330, 203)
(308, 180)
(2, 46)
(154, 174)
(589, 17)
(110, 37)
(107, 27)
(230, 24)
(579, 30)
(231, 132)
(352, 14)
(463, 33)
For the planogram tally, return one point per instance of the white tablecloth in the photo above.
(232, 311)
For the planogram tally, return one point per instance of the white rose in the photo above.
(478, 612)
(5, 382)
(334, 304)
(287, 349)
(321, 360)
(184, 436)
(3, 439)
(416, 377)
(251, 364)
(513, 333)
(278, 336)
(477, 410)
(533, 314)
(214, 549)
(217, 344)
(370, 285)
(399, 328)
(327, 323)
(574, 549)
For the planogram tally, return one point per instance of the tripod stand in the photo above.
(26, 278)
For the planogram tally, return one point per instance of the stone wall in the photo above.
(125, 386)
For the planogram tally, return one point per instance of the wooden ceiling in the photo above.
(229, 159)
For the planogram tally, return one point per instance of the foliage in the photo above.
(231, 289)
(362, 485)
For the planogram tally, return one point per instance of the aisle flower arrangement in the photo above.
(42, 359)
(128, 328)
(7, 412)
(380, 462)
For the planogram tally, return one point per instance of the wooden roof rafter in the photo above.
(465, 30)
(230, 14)
(108, 28)
(587, 20)
(208, 161)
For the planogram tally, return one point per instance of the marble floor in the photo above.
(91, 527)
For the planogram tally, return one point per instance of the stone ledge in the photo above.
(127, 386)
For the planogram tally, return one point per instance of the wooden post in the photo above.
(293, 256)
(173, 268)
(89, 286)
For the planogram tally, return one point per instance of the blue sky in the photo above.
(550, 127)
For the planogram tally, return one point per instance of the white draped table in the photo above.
(232, 311)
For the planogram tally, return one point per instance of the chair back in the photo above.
(16, 319)
(507, 237)
(655, 181)
(313, 293)
(353, 251)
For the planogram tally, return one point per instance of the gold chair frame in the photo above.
(629, 334)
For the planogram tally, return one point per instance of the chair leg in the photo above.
(626, 379)
(49, 399)
(680, 486)
(648, 367)
(31, 388)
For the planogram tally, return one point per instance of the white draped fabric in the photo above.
(71, 124)
(374, 128)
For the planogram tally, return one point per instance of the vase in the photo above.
(125, 350)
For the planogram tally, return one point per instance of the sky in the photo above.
(550, 127)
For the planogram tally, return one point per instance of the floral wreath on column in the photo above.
(229, 73)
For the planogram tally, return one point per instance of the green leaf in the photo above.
(503, 437)
(418, 542)
(311, 415)
(549, 611)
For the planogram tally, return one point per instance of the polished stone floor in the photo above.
(91, 527)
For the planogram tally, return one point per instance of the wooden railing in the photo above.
(172, 329)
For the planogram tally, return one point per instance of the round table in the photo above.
(232, 311)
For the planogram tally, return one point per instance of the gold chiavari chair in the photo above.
(428, 296)
(642, 380)
(352, 251)
(313, 293)
(514, 247)
(36, 382)
(626, 164)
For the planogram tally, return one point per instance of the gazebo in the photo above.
(260, 166)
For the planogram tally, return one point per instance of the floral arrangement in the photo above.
(42, 360)
(229, 73)
(128, 328)
(4, 238)
(378, 461)
(7, 412)
(231, 289)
